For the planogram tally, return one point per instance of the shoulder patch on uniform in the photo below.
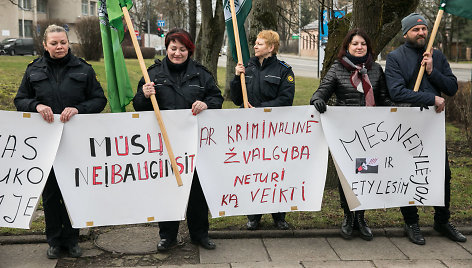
(285, 64)
(157, 62)
(84, 61)
(290, 78)
(33, 61)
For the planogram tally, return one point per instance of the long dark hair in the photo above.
(347, 40)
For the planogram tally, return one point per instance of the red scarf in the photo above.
(359, 78)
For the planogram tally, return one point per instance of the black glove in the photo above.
(320, 105)
(423, 106)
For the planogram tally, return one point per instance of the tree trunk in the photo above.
(198, 48)
(212, 31)
(192, 20)
(230, 64)
(263, 17)
(381, 19)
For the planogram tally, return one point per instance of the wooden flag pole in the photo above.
(153, 98)
(238, 52)
(429, 47)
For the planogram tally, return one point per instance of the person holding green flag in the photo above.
(179, 82)
(270, 82)
(401, 70)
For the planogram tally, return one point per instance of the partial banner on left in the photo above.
(28, 146)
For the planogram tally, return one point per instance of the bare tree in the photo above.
(210, 38)
(192, 17)
(381, 19)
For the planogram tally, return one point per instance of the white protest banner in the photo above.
(261, 160)
(28, 145)
(391, 157)
(114, 168)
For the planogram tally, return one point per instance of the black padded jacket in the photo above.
(337, 80)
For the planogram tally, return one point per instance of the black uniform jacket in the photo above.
(196, 83)
(271, 84)
(76, 86)
(338, 81)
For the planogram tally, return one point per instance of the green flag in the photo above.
(242, 8)
(461, 8)
(119, 89)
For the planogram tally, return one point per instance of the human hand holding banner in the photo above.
(391, 157)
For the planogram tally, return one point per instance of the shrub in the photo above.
(459, 109)
(148, 52)
(75, 49)
(90, 39)
(38, 33)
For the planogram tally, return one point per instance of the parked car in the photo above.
(223, 50)
(17, 46)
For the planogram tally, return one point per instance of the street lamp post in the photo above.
(148, 25)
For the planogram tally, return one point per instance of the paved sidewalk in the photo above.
(265, 248)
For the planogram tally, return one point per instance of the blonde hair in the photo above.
(53, 28)
(272, 39)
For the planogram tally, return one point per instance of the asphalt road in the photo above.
(307, 67)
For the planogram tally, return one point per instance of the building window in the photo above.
(85, 7)
(42, 5)
(93, 8)
(24, 4)
(28, 28)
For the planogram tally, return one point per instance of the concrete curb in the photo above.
(241, 234)
(36, 238)
(379, 232)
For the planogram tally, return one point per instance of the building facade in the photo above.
(308, 40)
(19, 17)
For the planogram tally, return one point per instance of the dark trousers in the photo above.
(197, 215)
(279, 216)
(441, 214)
(342, 199)
(59, 231)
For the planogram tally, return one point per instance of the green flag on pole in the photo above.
(461, 8)
(119, 89)
(242, 8)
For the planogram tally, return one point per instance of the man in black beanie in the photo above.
(401, 70)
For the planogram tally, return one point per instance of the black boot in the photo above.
(449, 230)
(365, 231)
(348, 225)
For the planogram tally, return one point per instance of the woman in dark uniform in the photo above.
(59, 83)
(181, 83)
(269, 83)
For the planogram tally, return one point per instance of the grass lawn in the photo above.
(12, 70)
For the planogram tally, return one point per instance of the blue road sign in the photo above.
(161, 23)
(337, 14)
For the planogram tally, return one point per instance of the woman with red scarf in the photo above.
(356, 80)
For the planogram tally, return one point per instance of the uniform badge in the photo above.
(290, 78)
